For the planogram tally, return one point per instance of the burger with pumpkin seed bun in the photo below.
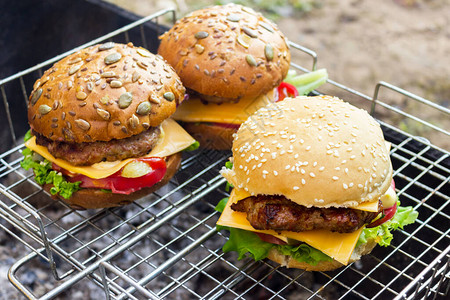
(313, 185)
(101, 133)
(231, 59)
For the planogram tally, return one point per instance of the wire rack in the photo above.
(166, 245)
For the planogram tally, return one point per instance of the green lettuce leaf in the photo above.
(193, 147)
(383, 234)
(44, 174)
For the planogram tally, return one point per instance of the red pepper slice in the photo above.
(270, 238)
(286, 90)
(123, 185)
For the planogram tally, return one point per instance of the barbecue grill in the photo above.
(166, 245)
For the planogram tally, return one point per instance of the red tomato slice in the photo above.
(393, 184)
(388, 214)
(286, 90)
(270, 238)
(123, 185)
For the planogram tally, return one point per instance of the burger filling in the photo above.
(85, 154)
(274, 212)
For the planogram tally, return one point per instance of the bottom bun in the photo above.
(95, 198)
(289, 262)
(211, 136)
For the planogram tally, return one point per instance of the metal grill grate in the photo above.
(166, 245)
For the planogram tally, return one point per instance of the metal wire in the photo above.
(172, 246)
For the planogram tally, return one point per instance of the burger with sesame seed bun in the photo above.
(231, 60)
(313, 185)
(100, 134)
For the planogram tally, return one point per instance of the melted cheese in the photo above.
(366, 206)
(339, 246)
(194, 110)
(173, 139)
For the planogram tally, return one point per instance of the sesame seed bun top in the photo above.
(316, 151)
(104, 92)
(227, 52)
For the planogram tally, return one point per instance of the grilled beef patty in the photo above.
(278, 213)
(85, 154)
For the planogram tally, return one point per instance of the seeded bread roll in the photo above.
(96, 198)
(104, 92)
(298, 146)
(226, 52)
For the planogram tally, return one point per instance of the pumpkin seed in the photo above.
(133, 121)
(81, 95)
(125, 100)
(201, 35)
(104, 100)
(250, 60)
(233, 18)
(250, 32)
(266, 26)
(74, 69)
(116, 83)
(104, 114)
(90, 86)
(248, 10)
(106, 46)
(143, 52)
(199, 48)
(112, 58)
(69, 84)
(268, 51)
(45, 80)
(83, 124)
(135, 76)
(36, 95)
(108, 74)
(44, 109)
(143, 108)
(169, 96)
(244, 40)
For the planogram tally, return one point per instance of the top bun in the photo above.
(104, 92)
(227, 51)
(316, 151)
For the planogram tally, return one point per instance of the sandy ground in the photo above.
(403, 42)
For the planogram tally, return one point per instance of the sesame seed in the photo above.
(303, 181)
(315, 164)
(312, 174)
(241, 167)
(296, 188)
(352, 157)
(345, 186)
(296, 156)
(265, 172)
(344, 161)
(349, 149)
(374, 175)
(346, 170)
(321, 168)
(293, 168)
(259, 165)
(275, 173)
(303, 171)
(308, 148)
(337, 168)
(350, 184)
(287, 167)
(274, 155)
(335, 178)
(282, 152)
(360, 186)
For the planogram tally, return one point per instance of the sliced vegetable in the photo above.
(270, 239)
(387, 214)
(286, 90)
(119, 184)
(305, 83)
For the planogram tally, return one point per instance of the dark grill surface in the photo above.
(166, 245)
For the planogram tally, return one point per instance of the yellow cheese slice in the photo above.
(339, 246)
(366, 206)
(173, 139)
(194, 110)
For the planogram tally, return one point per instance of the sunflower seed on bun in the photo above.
(95, 111)
(309, 172)
(223, 55)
